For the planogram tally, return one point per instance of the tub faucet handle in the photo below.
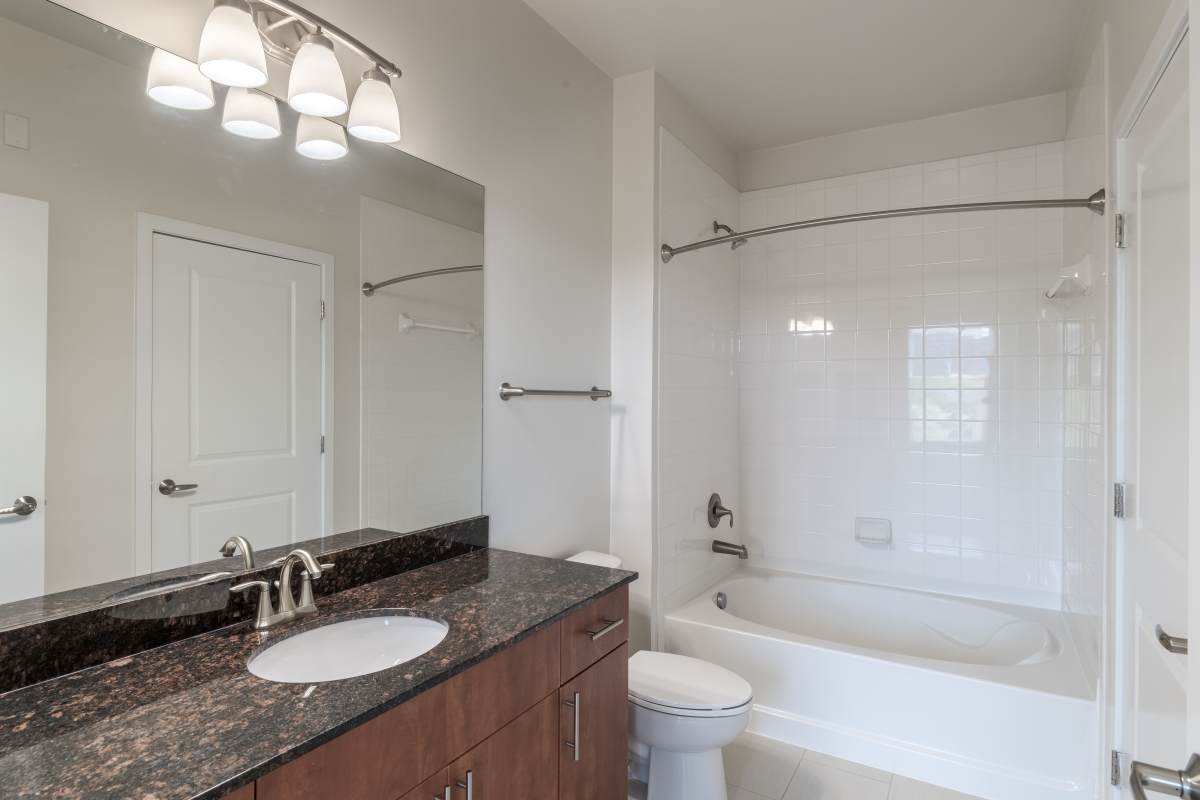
(716, 510)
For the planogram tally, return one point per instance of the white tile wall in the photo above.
(909, 369)
(697, 383)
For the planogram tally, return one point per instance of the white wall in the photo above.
(910, 370)
(422, 393)
(491, 91)
(1034, 120)
(697, 386)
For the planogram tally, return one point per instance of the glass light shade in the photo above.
(319, 138)
(250, 113)
(231, 51)
(374, 115)
(177, 82)
(316, 86)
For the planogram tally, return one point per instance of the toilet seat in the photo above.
(686, 687)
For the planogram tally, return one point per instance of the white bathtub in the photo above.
(976, 696)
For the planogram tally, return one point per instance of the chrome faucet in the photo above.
(730, 549)
(266, 615)
(235, 544)
(312, 571)
(716, 510)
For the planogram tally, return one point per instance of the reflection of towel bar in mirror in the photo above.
(408, 324)
(507, 390)
(369, 289)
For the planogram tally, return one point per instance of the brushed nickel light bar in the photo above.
(298, 12)
(1095, 203)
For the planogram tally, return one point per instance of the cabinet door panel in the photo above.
(379, 760)
(594, 631)
(518, 762)
(596, 767)
(491, 694)
(432, 789)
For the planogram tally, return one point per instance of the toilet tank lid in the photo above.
(675, 681)
(596, 559)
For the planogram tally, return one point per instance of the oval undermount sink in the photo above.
(348, 648)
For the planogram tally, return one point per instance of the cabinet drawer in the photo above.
(594, 631)
(491, 694)
(594, 730)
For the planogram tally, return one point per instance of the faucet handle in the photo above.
(307, 603)
(266, 613)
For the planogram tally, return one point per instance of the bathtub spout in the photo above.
(730, 549)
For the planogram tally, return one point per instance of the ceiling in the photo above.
(772, 72)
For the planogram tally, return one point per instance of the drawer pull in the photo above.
(610, 625)
(469, 785)
(445, 794)
(574, 704)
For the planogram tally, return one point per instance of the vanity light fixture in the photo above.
(316, 86)
(374, 116)
(234, 44)
(177, 82)
(231, 51)
(250, 113)
(320, 138)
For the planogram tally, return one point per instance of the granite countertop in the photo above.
(187, 720)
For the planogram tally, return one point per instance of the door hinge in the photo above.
(1114, 770)
(1119, 222)
(322, 443)
(322, 309)
(1120, 500)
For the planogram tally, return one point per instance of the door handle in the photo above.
(1185, 783)
(469, 785)
(23, 506)
(169, 487)
(1172, 644)
(575, 703)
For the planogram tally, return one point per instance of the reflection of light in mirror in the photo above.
(177, 82)
(317, 137)
(250, 113)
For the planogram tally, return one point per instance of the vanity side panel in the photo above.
(383, 758)
(491, 694)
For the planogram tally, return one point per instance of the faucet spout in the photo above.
(312, 571)
(730, 549)
(235, 544)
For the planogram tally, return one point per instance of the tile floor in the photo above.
(758, 768)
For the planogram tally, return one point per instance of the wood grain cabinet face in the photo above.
(380, 760)
(519, 762)
(243, 793)
(436, 788)
(594, 631)
(593, 715)
(490, 694)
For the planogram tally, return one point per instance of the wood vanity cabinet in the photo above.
(512, 723)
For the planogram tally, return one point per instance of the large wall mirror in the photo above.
(189, 349)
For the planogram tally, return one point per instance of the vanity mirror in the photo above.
(190, 354)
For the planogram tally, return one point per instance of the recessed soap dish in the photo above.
(873, 531)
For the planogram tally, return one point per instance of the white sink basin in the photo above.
(348, 648)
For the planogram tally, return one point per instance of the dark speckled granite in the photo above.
(63, 644)
(189, 721)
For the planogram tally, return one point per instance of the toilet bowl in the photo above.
(682, 711)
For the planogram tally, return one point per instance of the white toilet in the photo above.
(682, 711)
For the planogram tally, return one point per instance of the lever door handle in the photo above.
(1183, 783)
(1172, 644)
(169, 487)
(22, 507)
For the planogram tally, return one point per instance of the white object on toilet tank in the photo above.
(873, 531)
(596, 559)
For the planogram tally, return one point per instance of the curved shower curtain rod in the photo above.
(368, 289)
(1095, 203)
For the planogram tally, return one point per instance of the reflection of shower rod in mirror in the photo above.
(369, 289)
(234, 44)
(408, 324)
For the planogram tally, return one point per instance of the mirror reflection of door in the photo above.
(24, 230)
(236, 413)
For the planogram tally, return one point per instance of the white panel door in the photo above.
(1154, 412)
(236, 399)
(24, 237)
